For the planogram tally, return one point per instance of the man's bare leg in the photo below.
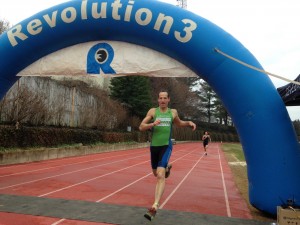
(160, 185)
(159, 190)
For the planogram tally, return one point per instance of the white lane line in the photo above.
(62, 220)
(121, 189)
(58, 222)
(3, 167)
(64, 165)
(66, 159)
(180, 183)
(73, 185)
(102, 199)
(62, 174)
(224, 186)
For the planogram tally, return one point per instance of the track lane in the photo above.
(142, 193)
(194, 184)
(36, 176)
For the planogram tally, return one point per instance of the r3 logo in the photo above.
(99, 57)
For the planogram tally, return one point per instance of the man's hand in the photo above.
(191, 124)
(156, 122)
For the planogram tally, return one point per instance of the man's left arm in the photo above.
(181, 123)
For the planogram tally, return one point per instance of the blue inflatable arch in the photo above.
(266, 132)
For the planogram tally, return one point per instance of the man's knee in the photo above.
(154, 171)
(160, 173)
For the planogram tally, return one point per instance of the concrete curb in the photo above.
(32, 155)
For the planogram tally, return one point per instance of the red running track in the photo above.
(198, 183)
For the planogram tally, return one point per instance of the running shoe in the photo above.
(168, 170)
(150, 214)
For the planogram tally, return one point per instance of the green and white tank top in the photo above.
(161, 133)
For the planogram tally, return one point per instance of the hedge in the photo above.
(27, 137)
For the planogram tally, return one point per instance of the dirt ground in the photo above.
(240, 176)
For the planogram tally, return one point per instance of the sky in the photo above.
(269, 29)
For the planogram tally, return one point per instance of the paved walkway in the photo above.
(108, 213)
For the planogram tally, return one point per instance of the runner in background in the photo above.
(206, 139)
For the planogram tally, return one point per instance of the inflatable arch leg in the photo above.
(265, 130)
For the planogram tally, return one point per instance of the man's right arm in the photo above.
(145, 125)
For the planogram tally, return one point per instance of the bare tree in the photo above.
(50, 103)
(110, 114)
(87, 114)
(4, 26)
(2, 107)
(24, 106)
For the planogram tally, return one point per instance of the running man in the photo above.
(206, 139)
(160, 120)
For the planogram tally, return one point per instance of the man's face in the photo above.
(163, 99)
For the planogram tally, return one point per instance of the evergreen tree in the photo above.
(133, 92)
(206, 95)
(220, 111)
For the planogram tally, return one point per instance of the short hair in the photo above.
(164, 91)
